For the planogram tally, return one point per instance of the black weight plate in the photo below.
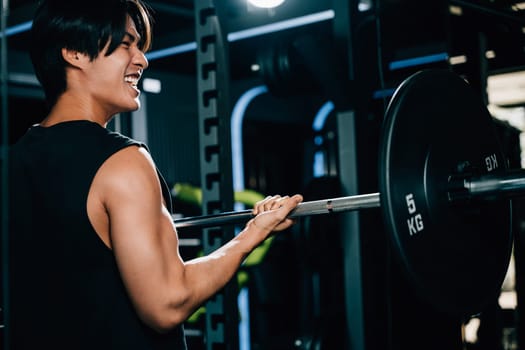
(456, 255)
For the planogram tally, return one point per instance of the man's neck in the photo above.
(69, 108)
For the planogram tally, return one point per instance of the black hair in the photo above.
(84, 26)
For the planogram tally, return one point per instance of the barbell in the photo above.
(444, 191)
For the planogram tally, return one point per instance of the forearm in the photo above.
(173, 289)
(207, 275)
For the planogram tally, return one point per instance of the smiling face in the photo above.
(111, 81)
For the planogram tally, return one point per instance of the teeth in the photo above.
(132, 80)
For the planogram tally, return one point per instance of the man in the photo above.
(94, 261)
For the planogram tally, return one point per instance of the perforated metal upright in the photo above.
(215, 163)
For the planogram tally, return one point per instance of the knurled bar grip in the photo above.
(322, 206)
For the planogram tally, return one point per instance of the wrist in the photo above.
(256, 232)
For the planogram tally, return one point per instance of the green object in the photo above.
(196, 315)
(247, 197)
(192, 194)
(187, 193)
(258, 254)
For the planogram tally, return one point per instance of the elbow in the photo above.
(164, 325)
(166, 318)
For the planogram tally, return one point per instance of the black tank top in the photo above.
(65, 289)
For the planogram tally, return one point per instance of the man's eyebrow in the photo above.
(133, 38)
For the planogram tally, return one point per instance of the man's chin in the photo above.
(134, 107)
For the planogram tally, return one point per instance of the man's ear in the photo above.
(74, 58)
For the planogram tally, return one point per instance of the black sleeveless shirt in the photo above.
(65, 289)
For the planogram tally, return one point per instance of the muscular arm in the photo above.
(164, 289)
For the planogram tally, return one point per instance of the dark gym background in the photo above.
(329, 283)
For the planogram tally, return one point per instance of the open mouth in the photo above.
(132, 79)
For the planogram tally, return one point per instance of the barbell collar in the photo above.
(323, 206)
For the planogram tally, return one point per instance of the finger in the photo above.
(278, 203)
(259, 206)
(292, 202)
(273, 203)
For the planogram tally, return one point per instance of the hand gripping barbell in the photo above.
(444, 193)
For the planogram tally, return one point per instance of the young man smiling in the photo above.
(94, 260)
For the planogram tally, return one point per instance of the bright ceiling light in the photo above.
(266, 3)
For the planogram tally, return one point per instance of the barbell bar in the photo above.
(462, 188)
(444, 192)
(322, 206)
(506, 185)
(487, 187)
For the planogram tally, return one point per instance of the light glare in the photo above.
(266, 3)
